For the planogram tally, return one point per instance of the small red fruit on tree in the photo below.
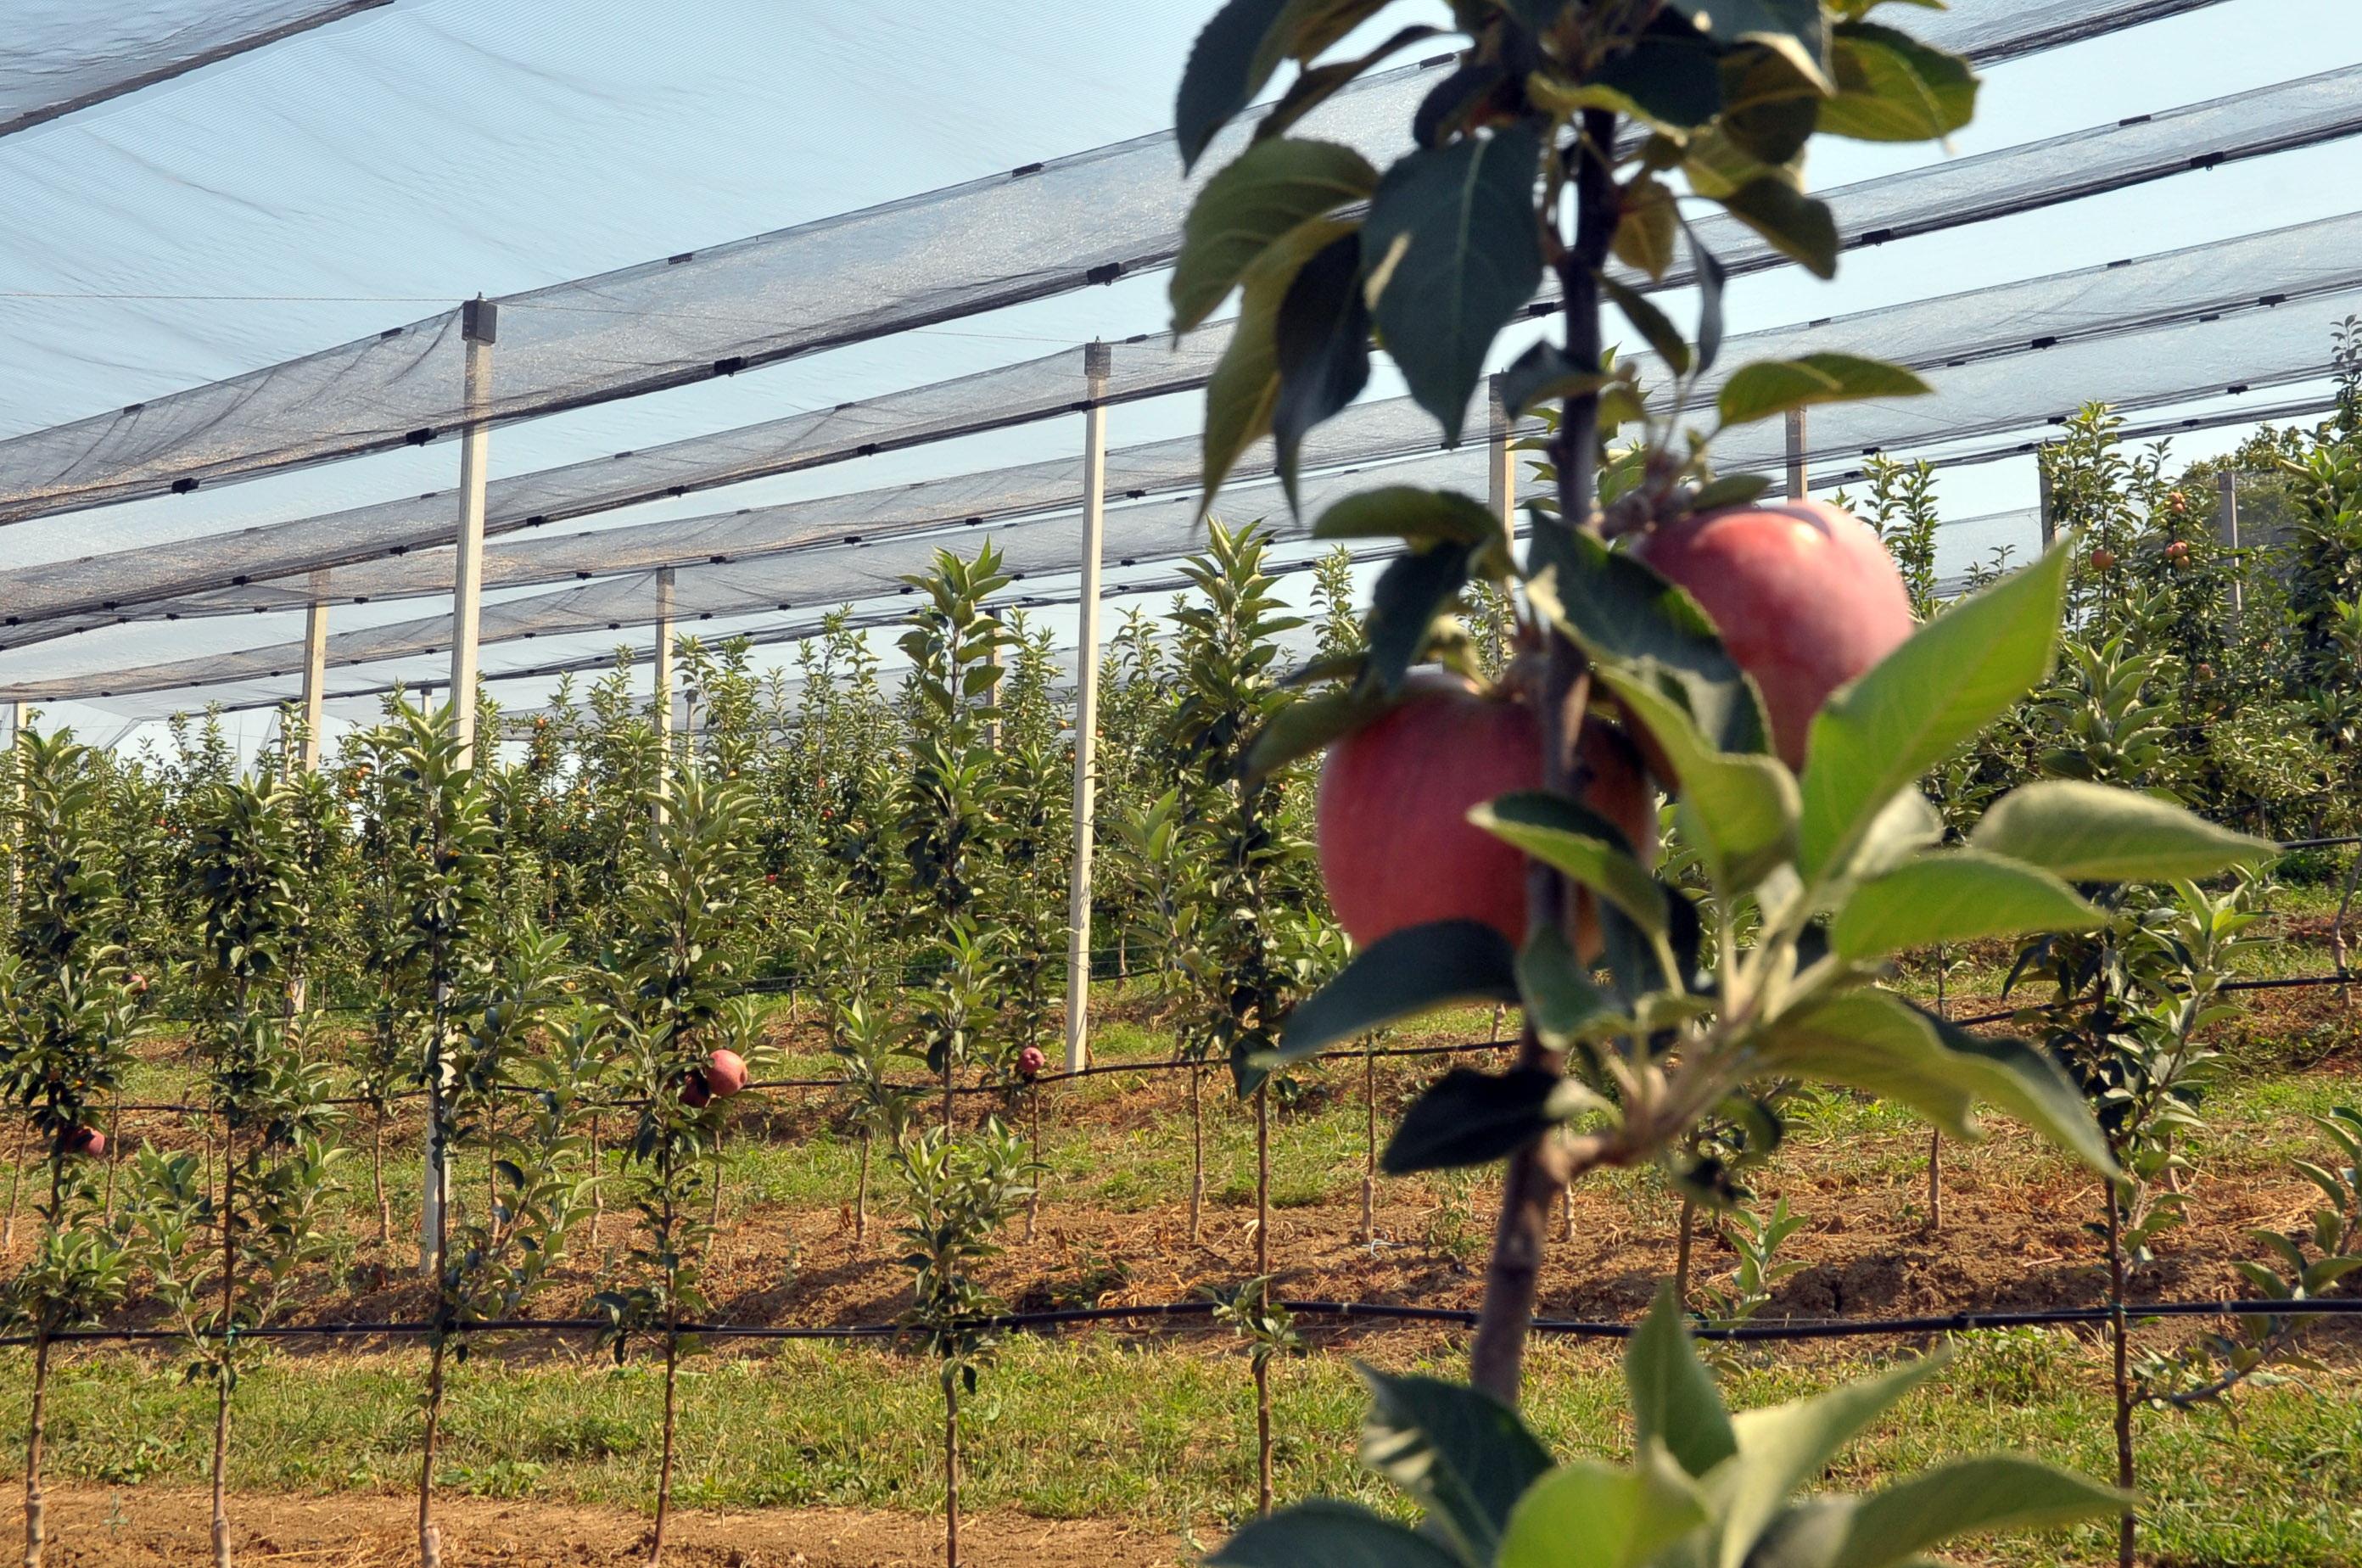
(1397, 847)
(725, 1072)
(2102, 557)
(695, 1092)
(82, 1140)
(1030, 1062)
(137, 985)
(1804, 595)
(2178, 550)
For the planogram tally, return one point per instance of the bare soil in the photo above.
(151, 1527)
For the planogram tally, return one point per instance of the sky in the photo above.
(373, 172)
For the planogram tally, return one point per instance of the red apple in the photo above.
(2177, 551)
(1806, 597)
(137, 985)
(1397, 847)
(2102, 557)
(1030, 1062)
(725, 1072)
(695, 1092)
(87, 1141)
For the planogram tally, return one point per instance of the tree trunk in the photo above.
(2118, 1333)
(1935, 1179)
(35, 1537)
(1262, 1428)
(598, 1186)
(861, 1196)
(430, 1537)
(1262, 1181)
(1682, 1253)
(1034, 1195)
(16, 1181)
(1370, 1150)
(1196, 1149)
(951, 1470)
(715, 1217)
(228, 1348)
(664, 1471)
(114, 1150)
(1513, 1274)
(377, 1182)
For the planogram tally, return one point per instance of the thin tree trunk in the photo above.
(1262, 1428)
(861, 1196)
(1496, 1024)
(1263, 1179)
(228, 1348)
(1034, 1195)
(2117, 1331)
(947, 1089)
(1566, 1210)
(664, 1471)
(951, 1471)
(1935, 1179)
(113, 1148)
(35, 1537)
(1370, 1150)
(1682, 1253)
(377, 1181)
(16, 1180)
(430, 1536)
(715, 1217)
(598, 1186)
(1513, 1274)
(1196, 1149)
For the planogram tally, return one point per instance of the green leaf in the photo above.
(1463, 1454)
(1671, 76)
(1243, 389)
(1456, 254)
(1322, 341)
(1581, 842)
(1411, 971)
(1468, 1118)
(2090, 832)
(1892, 87)
(1971, 1496)
(1404, 603)
(1419, 516)
(1876, 1042)
(1618, 609)
(1785, 1446)
(1794, 30)
(1324, 1533)
(1952, 677)
(1797, 224)
(1655, 327)
(1589, 1515)
(1675, 1401)
(1560, 1002)
(1956, 896)
(1647, 231)
(1311, 723)
(1234, 57)
(1266, 191)
(1739, 808)
(1543, 374)
(1730, 490)
(1770, 387)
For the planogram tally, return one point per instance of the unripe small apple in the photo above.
(1030, 1062)
(2205, 672)
(725, 1072)
(82, 1140)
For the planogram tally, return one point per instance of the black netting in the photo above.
(53, 599)
(65, 55)
(1037, 231)
(2034, 316)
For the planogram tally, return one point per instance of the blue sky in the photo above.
(366, 174)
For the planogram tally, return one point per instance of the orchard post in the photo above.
(478, 328)
(1500, 480)
(996, 663)
(316, 670)
(1096, 365)
(660, 697)
(2226, 484)
(12, 730)
(1797, 489)
(2050, 522)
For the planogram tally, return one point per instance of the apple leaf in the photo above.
(2090, 832)
(1770, 387)
(1407, 972)
(1263, 193)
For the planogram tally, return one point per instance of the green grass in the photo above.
(1160, 1435)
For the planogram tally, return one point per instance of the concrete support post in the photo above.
(992, 693)
(2227, 514)
(315, 672)
(660, 693)
(1096, 365)
(1501, 494)
(479, 328)
(2050, 522)
(1797, 488)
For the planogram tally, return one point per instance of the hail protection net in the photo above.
(65, 55)
(1037, 231)
(180, 578)
(2230, 281)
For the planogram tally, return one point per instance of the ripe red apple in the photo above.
(137, 985)
(1030, 1062)
(2177, 551)
(695, 1092)
(2102, 557)
(1397, 847)
(725, 1072)
(87, 1141)
(1806, 597)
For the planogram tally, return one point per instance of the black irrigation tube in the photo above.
(1802, 1329)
